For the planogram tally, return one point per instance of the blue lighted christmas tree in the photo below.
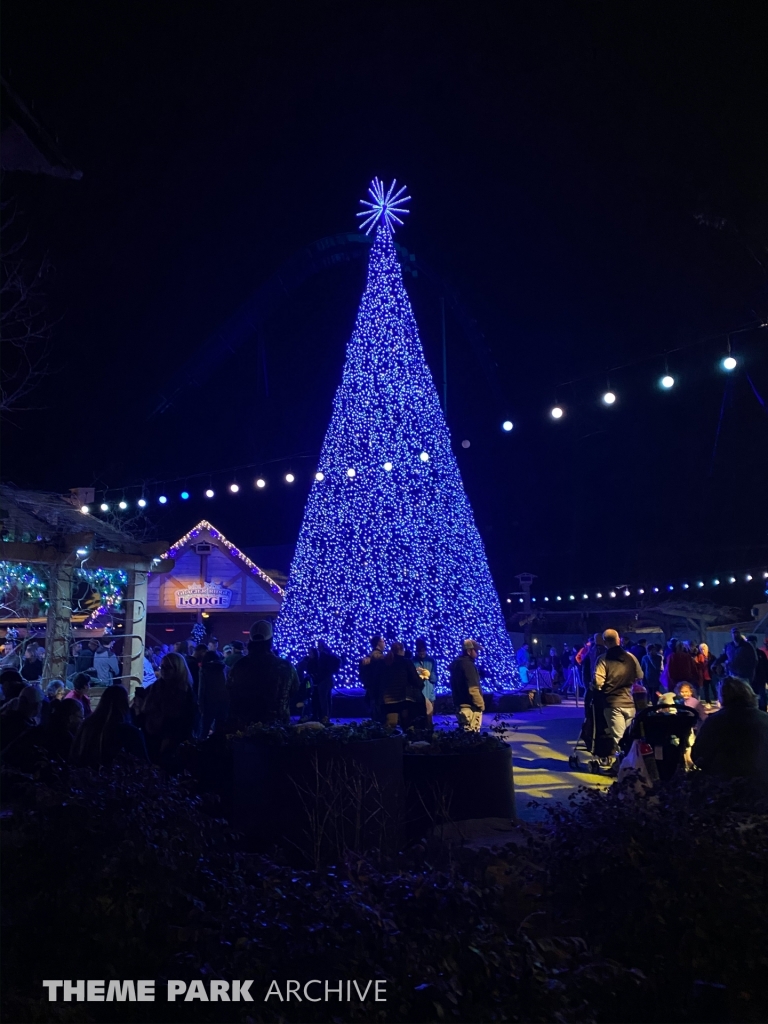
(389, 544)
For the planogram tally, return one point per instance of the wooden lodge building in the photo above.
(214, 583)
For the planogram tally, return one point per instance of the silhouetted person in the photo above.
(108, 733)
(328, 664)
(213, 696)
(51, 740)
(733, 742)
(465, 687)
(11, 683)
(402, 689)
(19, 714)
(169, 710)
(370, 676)
(260, 684)
(81, 688)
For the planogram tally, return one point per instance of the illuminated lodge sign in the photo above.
(209, 595)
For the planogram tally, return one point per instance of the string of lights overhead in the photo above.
(623, 592)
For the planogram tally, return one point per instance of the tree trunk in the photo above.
(59, 625)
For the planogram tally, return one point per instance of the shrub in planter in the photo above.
(317, 791)
(455, 775)
(117, 874)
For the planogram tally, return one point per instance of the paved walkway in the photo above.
(542, 741)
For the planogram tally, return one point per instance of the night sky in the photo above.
(589, 177)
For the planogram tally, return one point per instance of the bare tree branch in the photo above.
(25, 327)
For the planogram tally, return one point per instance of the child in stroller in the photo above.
(668, 728)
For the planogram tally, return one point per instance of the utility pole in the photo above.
(445, 358)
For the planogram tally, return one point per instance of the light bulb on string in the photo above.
(234, 488)
(556, 412)
(667, 381)
(728, 364)
(424, 457)
(351, 473)
(387, 467)
(289, 478)
(142, 502)
(209, 493)
(184, 495)
(261, 482)
(123, 505)
(162, 499)
(84, 509)
(104, 506)
(507, 425)
(319, 477)
(609, 398)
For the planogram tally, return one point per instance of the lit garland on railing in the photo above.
(195, 532)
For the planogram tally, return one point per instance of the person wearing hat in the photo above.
(234, 654)
(260, 684)
(465, 687)
(615, 672)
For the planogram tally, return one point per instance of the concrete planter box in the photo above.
(315, 799)
(475, 784)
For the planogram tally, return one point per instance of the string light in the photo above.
(667, 381)
(84, 509)
(507, 425)
(556, 413)
(728, 364)
(209, 493)
(163, 500)
(609, 398)
(142, 502)
(397, 553)
(234, 488)
(204, 525)
(104, 506)
(185, 495)
(319, 477)
(261, 482)
(123, 505)
(289, 478)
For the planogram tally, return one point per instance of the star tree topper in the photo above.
(385, 207)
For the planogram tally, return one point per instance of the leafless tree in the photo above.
(25, 326)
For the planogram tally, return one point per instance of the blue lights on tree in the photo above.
(388, 543)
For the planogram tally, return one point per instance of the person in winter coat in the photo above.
(615, 672)
(51, 740)
(105, 663)
(680, 667)
(370, 676)
(31, 666)
(11, 683)
(733, 742)
(465, 687)
(19, 714)
(169, 710)
(212, 695)
(326, 667)
(651, 666)
(85, 655)
(402, 689)
(108, 732)
(426, 667)
(740, 657)
(260, 684)
(708, 691)
(81, 686)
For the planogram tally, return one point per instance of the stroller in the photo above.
(593, 737)
(667, 732)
